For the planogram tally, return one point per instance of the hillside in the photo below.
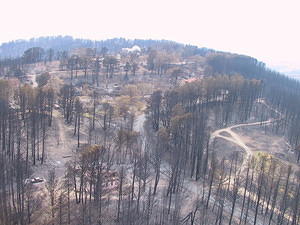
(66, 43)
(145, 132)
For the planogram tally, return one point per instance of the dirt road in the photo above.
(139, 127)
(229, 135)
(60, 147)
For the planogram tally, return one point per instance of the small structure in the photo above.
(135, 49)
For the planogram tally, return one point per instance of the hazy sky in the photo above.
(266, 29)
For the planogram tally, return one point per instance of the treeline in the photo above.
(15, 49)
(25, 115)
(226, 93)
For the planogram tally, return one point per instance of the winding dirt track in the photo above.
(236, 139)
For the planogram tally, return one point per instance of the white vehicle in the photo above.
(34, 180)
